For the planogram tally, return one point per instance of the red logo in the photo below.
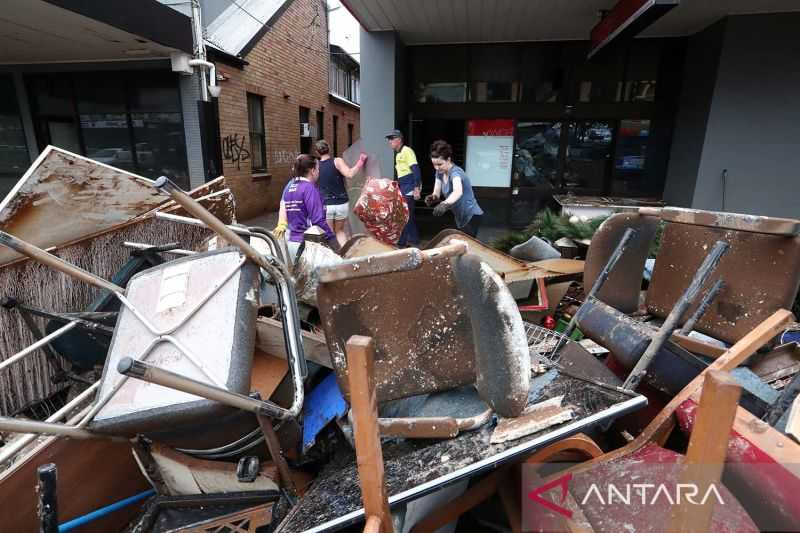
(563, 481)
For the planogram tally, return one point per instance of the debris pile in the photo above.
(207, 380)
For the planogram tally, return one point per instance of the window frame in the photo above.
(257, 136)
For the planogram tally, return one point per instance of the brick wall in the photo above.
(347, 114)
(288, 67)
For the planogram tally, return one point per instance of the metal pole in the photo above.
(705, 303)
(601, 279)
(152, 374)
(277, 250)
(17, 425)
(44, 341)
(11, 449)
(147, 247)
(277, 455)
(199, 45)
(56, 263)
(48, 498)
(220, 228)
(665, 331)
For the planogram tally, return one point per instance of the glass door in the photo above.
(535, 169)
(588, 156)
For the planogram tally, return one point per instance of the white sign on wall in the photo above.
(490, 150)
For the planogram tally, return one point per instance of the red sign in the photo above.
(630, 17)
(490, 128)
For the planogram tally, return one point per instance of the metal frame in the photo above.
(274, 265)
(491, 463)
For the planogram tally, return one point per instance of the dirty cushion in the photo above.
(502, 358)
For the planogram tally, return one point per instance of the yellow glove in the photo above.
(280, 229)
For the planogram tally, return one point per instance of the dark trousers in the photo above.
(472, 226)
(410, 236)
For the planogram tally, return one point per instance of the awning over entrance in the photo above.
(58, 31)
(475, 21)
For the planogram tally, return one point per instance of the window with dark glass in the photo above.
(641, 71)
(129, 120)
(441, 93)
(440, 73)
(349, 135)
(320, 125)
(495, 91)
(157, 123)
(586, 162)
(541, 73)
(258, 142)
(335, 135)
(536, 154)
(305, 130)
(630, 159)
(14, 158)
(595, 80)
(103, 115)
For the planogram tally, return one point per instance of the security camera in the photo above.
(214, 90)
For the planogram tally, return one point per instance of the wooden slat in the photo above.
(269, 339)
(364, 403)
(705, 457)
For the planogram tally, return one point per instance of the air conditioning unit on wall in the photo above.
(305, 129)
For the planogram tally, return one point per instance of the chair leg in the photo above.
(705, 457)
(509, 491)
(360, 364)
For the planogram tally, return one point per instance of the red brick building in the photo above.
(276, 100)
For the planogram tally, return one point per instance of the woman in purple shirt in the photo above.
(301, 205)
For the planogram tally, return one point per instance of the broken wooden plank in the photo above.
(269, 339)
(534, 418)
(560, 267)
(781, 362)
(184, 475)
(697, 346)
(364, 402)
(438, 427)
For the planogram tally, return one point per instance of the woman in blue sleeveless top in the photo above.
(332, 186)
(453, 184)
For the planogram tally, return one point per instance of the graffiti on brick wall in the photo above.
(284, 157)
(234, 150)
